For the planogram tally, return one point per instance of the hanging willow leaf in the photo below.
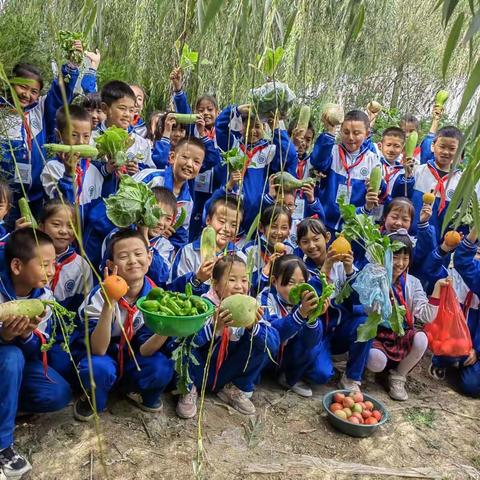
(452, 42)
(470, 89)
(473, 28)
(211, 10)
(355, 29)
(448, 8)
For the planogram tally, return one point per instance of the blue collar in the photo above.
(8, 291)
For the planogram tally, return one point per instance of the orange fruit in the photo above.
(452, 238)
(115, 287)
(428, 198)
(279, 248)
(341, 246)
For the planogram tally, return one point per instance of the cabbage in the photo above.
(114, 143)
(134, 203)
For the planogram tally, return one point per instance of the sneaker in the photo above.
(12, 464)
(2, 475)
(152, 407)
(236, 398)
(300, 388)
(187, 404)
(346, 383)
(437, 373)
(82, 410)
(397, 386)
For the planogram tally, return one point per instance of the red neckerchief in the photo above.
(41, 337)
(222, 353)
(467, 303)
(58, 269)
(440, 187)
(250, 154)
(135, 120)
(128, 330)
(398, 291)
(301, 168)
(346, 167)
(28, 131)
(210, 133)
(79, 176)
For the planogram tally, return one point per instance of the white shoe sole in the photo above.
(9, 474)
(224, 398)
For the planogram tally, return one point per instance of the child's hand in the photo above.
(78, 47)
(443, 282)
(13, 326)
(144, 231)
(347, 260)
(258, 317)
(32, 325)
(371, 199)
(331, 258)
(425, 213)
(309, 192)
(176, 79)
(372, 116)
(268, 266)
(200, 123)
(409, 165)
(332, 129)
(132, 167)
(223, 318)
(245, 109)
(205, 271)
(472, 235)
(22, 223)
(471, 359)
(168, 232)
(308, 304)
(235, 177)
(94, 58)
(272, 186)
(437, 113)
(108, 301)
(168, 125)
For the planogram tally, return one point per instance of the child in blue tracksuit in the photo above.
(77, 180)
(467, 264)
(137, 124)
(6, 197)
(274, 229)
(112, 364)
(264, 157)
(224, 216)
(341, 320)
(302, 141)
(347, 165)
(166, 136)
(301, 341)
(27, 382)
(433, 176)
(22, 152)
(185, 166)
(246, 349)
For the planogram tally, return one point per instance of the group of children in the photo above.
(75, 245)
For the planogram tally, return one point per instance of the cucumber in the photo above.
(185, 118)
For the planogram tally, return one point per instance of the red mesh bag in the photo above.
(448, 334)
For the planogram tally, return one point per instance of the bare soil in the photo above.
(289, 437)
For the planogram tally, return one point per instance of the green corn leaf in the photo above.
(452, 42)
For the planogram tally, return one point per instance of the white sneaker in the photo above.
(300, 388)
(2, 475)
(397, 386)
(346, 383)
(236, 398)
(187, 404)
(12, 464)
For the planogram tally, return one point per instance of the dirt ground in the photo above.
(288, 438)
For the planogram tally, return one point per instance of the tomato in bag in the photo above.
(448, 334)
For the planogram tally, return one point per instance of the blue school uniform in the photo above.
(426, 154)
(27, 383)
(139, 127)
(21, 143)
(264, 158)
(247, 354)
(117, 366)
(346, 174)
(427, 178)
(88, 179)
(164, 178)
(300, 341)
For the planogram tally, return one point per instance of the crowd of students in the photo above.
(183, 166)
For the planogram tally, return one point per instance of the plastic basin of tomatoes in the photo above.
(351, 427)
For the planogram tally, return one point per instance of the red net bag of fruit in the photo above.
(448, 334)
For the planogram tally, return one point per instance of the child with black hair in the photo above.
(77, 180)
(434, 176)
(301, 341)
(111, 323)
(404, 352)
(27, 382)
(93, 104)
(138, 125)
(346, 165)
(167, 134)
(239, 354)
(409, 123)
(22, 143)
(224, 216)
(6, 198)
(274, 230)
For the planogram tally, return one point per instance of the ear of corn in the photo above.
(410, 144)
(185, 118)
(208, 244)
(440, 98)
(304, 117)
(376, 178)
(85, 151)
(26, 213)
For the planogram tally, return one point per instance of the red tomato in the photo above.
(377, 415)
(359, 416)
(371, 421)
(368, 405)
(338, 397)
(366, 414)
(348, 402)
(358, 397)
(362, 404)
(335, 406)
(353, 419)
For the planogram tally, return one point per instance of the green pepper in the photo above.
(166, 311)
(155, 293)
(151, 305)
(188, 290)
(295, 295)
(173, 307)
